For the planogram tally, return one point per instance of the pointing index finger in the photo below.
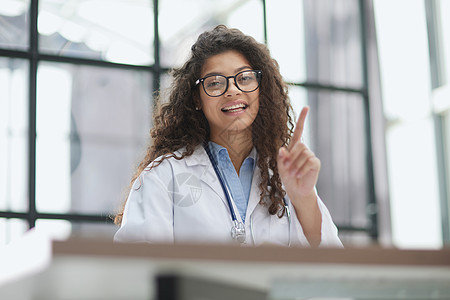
(298, 132)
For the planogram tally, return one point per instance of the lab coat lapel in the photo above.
(254, 197)
(207, 174)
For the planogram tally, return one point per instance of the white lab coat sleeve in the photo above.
(329, 232)
(148, 214)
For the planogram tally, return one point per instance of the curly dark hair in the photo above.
(178, 125)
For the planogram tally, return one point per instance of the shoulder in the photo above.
(165, 167)
(176, 159)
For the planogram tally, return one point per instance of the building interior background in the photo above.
(78, 79)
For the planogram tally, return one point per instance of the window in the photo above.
(414, 73)
(77, 86)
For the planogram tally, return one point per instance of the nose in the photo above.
(232, 88)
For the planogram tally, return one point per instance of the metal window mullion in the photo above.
(33, 51)
(14, 53)
(75, 217)
(75, 60)
(372, 210)
(434, 43)
(439, 123)
(91, 62)
(58, 216)
(438, 79)
(351, 228)
(157, 62)
(328, 87)
(264, 20)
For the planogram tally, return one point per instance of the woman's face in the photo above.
(235, 110)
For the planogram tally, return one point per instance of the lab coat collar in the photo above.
(206, 170)
(199, 157)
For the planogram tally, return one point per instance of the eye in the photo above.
(246, 77)
(214, 82)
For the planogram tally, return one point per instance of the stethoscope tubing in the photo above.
(222, 183)
(237, 225)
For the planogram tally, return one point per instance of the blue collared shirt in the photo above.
(239, 186)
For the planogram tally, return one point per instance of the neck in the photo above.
(238, 144)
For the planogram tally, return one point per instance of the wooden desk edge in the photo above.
(266, 254)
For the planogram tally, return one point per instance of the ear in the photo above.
(197, 101)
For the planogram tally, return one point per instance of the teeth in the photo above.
(236, 106)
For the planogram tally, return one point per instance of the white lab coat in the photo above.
(183, 201)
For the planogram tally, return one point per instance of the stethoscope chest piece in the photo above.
(238, 231)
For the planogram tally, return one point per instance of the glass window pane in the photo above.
(11, 229)
(54, 229)
(14, 23)
(333, 42)
(288, 48)
(64, 229)
(338, 138)
(299, 99)
(446, 134)
(413, 178)
(445, 35)
(194, 17)
(410, 133)
(13, 134)
(356, 239)
(94, 230)
(405, 62)
(111, 30)
(92, 128)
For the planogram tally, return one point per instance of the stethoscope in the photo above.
(238, 228)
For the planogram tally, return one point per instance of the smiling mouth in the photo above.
(235, 108)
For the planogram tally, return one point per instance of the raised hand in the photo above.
(299, 170)
(298, 165)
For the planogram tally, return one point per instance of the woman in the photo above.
(224, 163)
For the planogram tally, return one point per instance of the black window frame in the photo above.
(34, 57)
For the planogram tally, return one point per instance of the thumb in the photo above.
(282, 159)
(282, 153)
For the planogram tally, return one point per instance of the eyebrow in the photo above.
(237, 71)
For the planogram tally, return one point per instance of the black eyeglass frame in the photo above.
(258, 79)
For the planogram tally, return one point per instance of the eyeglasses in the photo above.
(216, 85)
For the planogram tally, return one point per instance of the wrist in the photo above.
(305, 199)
